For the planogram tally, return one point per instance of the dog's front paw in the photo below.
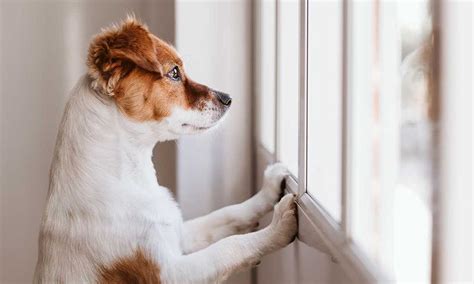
(284, 223)
(273, 177)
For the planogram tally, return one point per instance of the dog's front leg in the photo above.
(235, 219)
(216, 262)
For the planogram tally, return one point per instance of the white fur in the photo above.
(104, 202)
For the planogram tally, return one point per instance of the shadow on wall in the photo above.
(43, 51)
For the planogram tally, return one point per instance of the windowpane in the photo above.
(266, 74)
(288, 82)
(392, 116)
(412, 194)
(325, 103)
(364, 197)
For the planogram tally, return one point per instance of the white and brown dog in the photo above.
(107, 219)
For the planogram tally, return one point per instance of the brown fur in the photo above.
(136, 269)
(131, 64)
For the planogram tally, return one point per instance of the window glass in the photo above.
(288, 82)
(391, 117)
(412, 194)
(325, 104)
(266, 73)
(362, 154)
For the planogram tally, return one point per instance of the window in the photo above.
(324, 97)
(266, 80)
(391, 123)
(355, 117)
(288, 80)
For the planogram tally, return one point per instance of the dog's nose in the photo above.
(224, 98)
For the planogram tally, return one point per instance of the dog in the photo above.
(107, 220)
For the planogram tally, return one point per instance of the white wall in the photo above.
(214, 40)
(43, 49)
(453, 250)
(215, 169)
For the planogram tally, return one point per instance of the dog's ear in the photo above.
(116, 50)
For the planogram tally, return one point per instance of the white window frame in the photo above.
(316, 227)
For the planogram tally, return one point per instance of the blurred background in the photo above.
(349, 94)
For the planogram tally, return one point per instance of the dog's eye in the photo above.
(174, 74)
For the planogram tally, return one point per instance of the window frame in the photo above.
(317, 228)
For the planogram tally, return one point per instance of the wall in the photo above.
(453, 244)
(43, 49)
(215, 169)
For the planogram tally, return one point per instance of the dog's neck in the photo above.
(97, 143)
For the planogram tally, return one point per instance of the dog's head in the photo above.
(145, 77)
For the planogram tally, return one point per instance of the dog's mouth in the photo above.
(195, 127)
(202, 121)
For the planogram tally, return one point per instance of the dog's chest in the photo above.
(158, 224)
(154, 208)
(146, 217)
